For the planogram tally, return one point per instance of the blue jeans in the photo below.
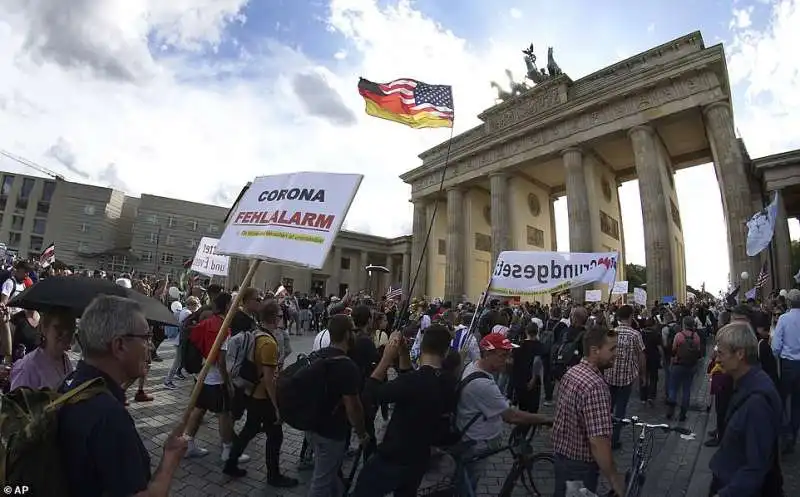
(680, 377)
(619, 406)
(328, 457)
(572, 470)
(790, 395)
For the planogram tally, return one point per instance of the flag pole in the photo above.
(212, 355)
(407, 306)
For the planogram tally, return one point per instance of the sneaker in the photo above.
(141, 396)
(157, 358)
(195, 452)
(548, 402)
(234, 471)
(180, 376)
(282, 481)
(169, 385)
(242, 459)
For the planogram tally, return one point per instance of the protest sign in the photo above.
(640, 296)
(536, 273)
(207, 261)
(593, 296)
(290, 218)
(620, 288)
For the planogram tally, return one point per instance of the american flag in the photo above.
(763, 277)
(394, 292)
(436, 99)
(48, 256)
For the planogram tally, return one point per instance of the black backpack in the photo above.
(449, 432)
(567, 354)
(302, 389)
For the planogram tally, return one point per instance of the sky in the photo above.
(193, 98)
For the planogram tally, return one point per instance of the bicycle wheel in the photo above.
(537, 475)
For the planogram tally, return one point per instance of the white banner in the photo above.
(291, 218)
(640, 296)
(539, 273)
(761, 228)
(593, 296)
(620, 288)
(207, 261)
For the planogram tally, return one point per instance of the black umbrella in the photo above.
(77, 292)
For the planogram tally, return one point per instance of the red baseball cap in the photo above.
(496, 341)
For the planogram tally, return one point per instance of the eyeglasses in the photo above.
(143, 336)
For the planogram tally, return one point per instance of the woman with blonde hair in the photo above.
(47, 365)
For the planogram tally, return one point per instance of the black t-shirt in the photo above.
(524, 356)
(242, 322)
(364, 354)
(420, 400)
(102, 452)
(342, 378)
(24, 333)
(768, 362)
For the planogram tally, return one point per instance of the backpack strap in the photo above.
(82, 392)
(461, 385)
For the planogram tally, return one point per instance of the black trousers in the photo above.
(260, 419)
(721, 402)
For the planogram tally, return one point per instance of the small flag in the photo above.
(280, 291)
(763, 277)
(48, 256)
(761, 228)
(394, 292)
(410, 102)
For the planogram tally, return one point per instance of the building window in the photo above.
(167, 258)
(14, 239)
(170, 240)
(17, 222)
(152, 219)
(213, 228)
(89, 210)
(193, 225)
(42, 208)
(8, 183)
(47, 191)
(609, 225)
(483, 242)
(191, 243)
(22, 204)
(3, 201)
(441, 246)
(27, 187)
(39, 226)
(153, 237)
(84, 228)
(345, 263)
(83, 247)
(170, 221)
(36, 243)
(535, 237)
(676, 215)
(147, 256)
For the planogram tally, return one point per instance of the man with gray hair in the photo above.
(747, 462)
(786, 346)
(101, 450)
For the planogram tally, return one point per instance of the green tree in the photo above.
(636, 274)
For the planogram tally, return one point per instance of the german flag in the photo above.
(409, 102)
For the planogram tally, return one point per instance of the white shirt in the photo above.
(214, 377)
(11, 288)
(322, 340)
(183, 314)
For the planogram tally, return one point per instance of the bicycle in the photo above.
(642, 451)
(520, 447)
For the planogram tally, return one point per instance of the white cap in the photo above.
(124, 283)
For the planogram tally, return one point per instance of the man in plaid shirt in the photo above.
(583, 425)
(628, 366)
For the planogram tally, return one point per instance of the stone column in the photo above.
(580, 218)
(454, 273)
(389, 279)
(405, 272)
(335, 279)
(621, 275)
(362, 277)
(783, 250)
(499, 215)
(655, 213)
(553, 231)
(732, 177)
(418, 258)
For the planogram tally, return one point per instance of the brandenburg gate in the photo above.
(645, 117)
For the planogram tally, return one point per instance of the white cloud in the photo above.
(651, 28)
(741, 18)
(85, 93)
(515, 13)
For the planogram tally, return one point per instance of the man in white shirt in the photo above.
(11, 287)
(323, 338)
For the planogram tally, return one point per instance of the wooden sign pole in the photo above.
(223, 331)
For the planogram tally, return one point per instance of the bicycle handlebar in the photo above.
(634, 421)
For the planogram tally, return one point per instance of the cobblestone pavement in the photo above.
(671, 466)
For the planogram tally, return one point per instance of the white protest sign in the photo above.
(620, 288)
(520, 273)
(640, 296)
(207, 261)
(593, 296)
(291, 218)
